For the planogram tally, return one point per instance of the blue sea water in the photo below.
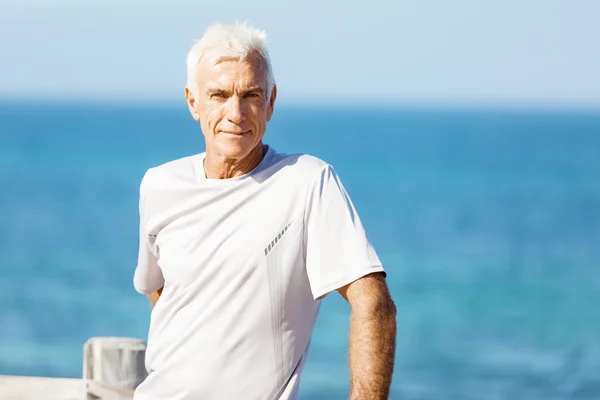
(488, 223)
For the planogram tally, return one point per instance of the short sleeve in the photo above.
(337, 248)
(148, 277)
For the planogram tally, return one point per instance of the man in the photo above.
(238, 246)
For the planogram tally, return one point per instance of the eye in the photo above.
(252, 95)
(218, 95)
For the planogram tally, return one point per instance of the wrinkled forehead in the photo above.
(221, 68)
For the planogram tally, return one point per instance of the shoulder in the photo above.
(304, 167)
(170, 172)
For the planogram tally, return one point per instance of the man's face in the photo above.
(232, 105)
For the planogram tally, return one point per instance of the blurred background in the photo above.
(466, 132)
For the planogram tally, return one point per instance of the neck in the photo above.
(218, 167)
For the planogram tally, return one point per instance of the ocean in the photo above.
(487, 221)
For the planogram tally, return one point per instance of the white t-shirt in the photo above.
(244, 263)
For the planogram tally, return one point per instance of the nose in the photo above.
(235, 110)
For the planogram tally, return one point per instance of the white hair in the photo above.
(229, 41)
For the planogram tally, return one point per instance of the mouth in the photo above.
(235, 133)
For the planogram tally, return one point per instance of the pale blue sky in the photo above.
(460, 51)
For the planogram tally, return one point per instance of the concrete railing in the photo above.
(112, 369)
(34, 388)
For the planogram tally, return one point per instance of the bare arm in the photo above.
(372, 337)
(154, 296)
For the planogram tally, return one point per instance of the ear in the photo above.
(271, 105)
(191, 102)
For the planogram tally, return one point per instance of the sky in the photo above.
(403, 51)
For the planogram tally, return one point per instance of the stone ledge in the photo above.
(39, 388)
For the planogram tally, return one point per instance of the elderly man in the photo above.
(239, 245)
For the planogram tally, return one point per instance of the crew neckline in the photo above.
(201, 173)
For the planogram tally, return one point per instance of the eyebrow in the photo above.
(254, 89)
(216, 90)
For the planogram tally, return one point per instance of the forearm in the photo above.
(372, 350)
(155, 296)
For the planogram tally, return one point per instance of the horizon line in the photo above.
(305, 102)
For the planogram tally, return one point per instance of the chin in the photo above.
(235, 150)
